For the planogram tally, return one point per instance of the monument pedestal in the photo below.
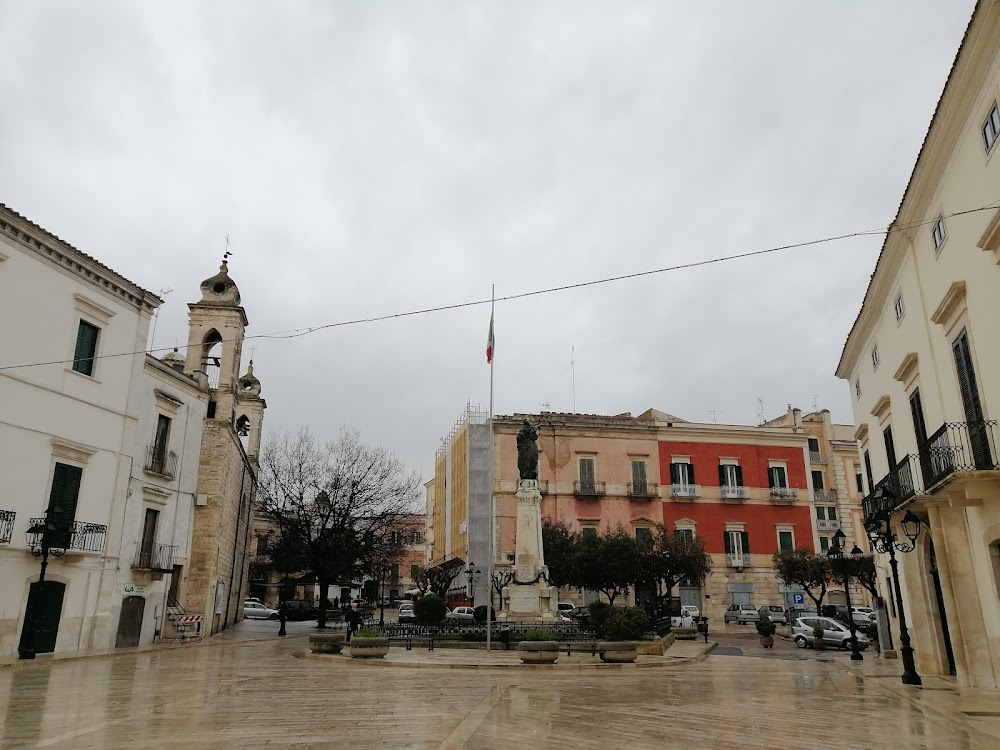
(529, 598)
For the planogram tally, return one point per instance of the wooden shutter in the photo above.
(868, 473)
(745, 538)
(817, 480)
(970, 401)
(639, 472)
(691, 479)
(86, 348)
(62, 502)
(917, 412)
(772, 476)
(727, 542)
(722, 475)
(673, 474)
(739, 477)
(890, 447)
(587, 471)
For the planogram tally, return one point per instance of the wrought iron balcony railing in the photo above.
(784, 494)
(815, 457)
(738, 560)
(958, 446)
(160, 461)
(643, 490)
(6, 525)
(78, 535)
(825, 496)
(734, 492)
(589, 489)
(685, 490)
(156, 557)
(902, 483)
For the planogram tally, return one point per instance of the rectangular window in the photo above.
(937, 234)
(824, 543)
(875, 359)
(642, 534)
(831, 513)
(587, 472)
(890, 447)
(681, 473)
(589, 532)
(86, 348)
(917, 414)
(776, 477)
(861, 483)
(817, 480)
(868, 472)
(63, 498)
(394, 573)
(857, 387)
(898, 305)
(687, 534)
(991, 128)
(416, 537)
(813, 445)
(160, 442)
(639, 477)
(730, 475)
(148, 538)
(786, 543)
(820, 512)
(414, 571)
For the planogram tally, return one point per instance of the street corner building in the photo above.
(127, 479)
(746, 491)
(923, 366)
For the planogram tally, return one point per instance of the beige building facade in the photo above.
(924, 372)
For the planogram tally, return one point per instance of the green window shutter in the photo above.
(727, 541)
(739, 478)
(745, 538)
(817, 480)
(772, 477)
(831, 513)
(691, 478)
(642, 533)
(414, 568)
(587, 470)
(785, 541)
(820, 513)
(722, 475)
(589, 532)
(62, 502)
(86, 348)
(673, 474)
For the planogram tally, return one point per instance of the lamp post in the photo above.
(472, 576)
(40, 540)
(885, 540)
(842, 564)
(383, 571)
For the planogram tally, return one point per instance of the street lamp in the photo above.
(842, 565)
(41, 536)
(884, 540)
(472, 575)
(383, 571)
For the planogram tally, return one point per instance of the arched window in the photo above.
(211, 357)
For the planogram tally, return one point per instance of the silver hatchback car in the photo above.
(834, 632)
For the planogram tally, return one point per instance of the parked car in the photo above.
(257, 611)
(691, 610)
(741, 614)
(566, 607)
(863, 615)
(296, 609)
(578, 614)
(406, 613)
(774, 613)
(462, 615)
(834, 632)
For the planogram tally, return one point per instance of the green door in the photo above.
(42, 614)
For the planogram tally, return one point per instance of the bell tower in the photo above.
(249, 412)
(216, 326)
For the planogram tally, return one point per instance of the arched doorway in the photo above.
(130, 622)
(41, 617)
(939, 600)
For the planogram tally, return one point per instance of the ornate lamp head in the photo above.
(911, 526)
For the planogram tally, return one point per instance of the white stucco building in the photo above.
(924, 372)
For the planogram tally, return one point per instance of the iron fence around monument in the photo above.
(513, 631)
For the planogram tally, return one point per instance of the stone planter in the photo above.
(368, 648)
(767, 641)
(326, 643)
(649, 648)
(538, 652)
(618, 652)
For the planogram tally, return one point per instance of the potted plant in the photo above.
(538, 647)
(765, 629)
(620, 631)
(818, 643)
(368, 644)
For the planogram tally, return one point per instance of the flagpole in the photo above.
(491, 551)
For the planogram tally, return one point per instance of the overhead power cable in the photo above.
(298, 332)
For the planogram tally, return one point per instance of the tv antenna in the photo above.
(760, 410)
(156, 316)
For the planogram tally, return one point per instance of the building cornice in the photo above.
(29, 235)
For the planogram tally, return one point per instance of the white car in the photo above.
(462, 614)
(834, 632)
(862, 615)
(257, 611)
(690, 609)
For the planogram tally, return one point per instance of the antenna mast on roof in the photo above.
(760, 410)
(156, 315)
(572, 365)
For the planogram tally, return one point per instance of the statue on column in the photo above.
(527, 451)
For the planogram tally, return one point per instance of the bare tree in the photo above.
(339, 504)
(436, 580)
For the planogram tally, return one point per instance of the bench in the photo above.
(580, 647)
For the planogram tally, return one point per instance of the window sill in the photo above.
(88, 378)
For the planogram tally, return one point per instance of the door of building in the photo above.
(41, 616)
(942, 615)
(130, 622)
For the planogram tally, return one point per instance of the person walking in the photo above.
(353, 620)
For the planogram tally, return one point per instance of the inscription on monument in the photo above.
(524, 599)
(525, 572)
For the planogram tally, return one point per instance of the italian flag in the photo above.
(489, 343)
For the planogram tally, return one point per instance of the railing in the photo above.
(738, 560)
(589, 489)
(827, 525)
(160, 461)
(158, 557)
(6, 525)
(815, 457)
(901, 482)
(732, 492)
(958, 446)
(685, 490)
(784, 493)
(825, 496)
(79, 535)
(643, 489)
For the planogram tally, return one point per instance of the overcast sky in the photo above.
(371, 158)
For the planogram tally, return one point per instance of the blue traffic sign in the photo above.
(798, 599)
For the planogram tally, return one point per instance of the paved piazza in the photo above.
(235, 694)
